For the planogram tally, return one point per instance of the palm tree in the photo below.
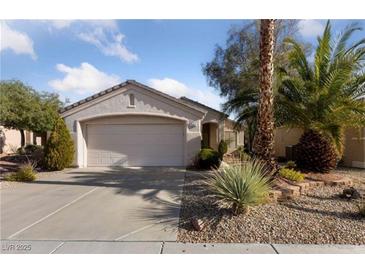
(323, 97)
(235, 71)
(244, 105)
(264, 138)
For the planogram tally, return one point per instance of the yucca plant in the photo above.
(323, 97)
(241, 186)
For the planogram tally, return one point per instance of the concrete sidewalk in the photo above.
(116, 247)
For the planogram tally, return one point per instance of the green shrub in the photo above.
(20, 151)
(242, 154)
(30, 148)
(291, 174)
(241, 186)
(26, 173)
(59, 148)
(208, 158)
(204, 144)
(291, 165)
(222, 148)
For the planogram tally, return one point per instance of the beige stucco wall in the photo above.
(146, 104)
(12, 139)
(229, 126)
(214, 118)
(213, 132)
(223, 124)
(285, 137)
(354, 153)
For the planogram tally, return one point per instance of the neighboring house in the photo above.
(354, 154)
(11, 140)
(132, 124)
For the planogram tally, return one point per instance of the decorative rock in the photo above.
(198, 224)
(350, 193)
(304, 186)
(274, 195)
(284, 189)
(316, 183)
(343, 182)
(288, 188)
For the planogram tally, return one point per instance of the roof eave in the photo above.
(203, 106)
(124, 84)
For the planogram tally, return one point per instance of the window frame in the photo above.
(132, 99)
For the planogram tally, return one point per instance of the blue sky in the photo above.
(78, 58)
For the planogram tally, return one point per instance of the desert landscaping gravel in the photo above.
(356, 174)
(319, 217)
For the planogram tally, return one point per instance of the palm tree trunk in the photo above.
(264, 137)
(251, 129)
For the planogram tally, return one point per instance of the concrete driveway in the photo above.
(123, 204)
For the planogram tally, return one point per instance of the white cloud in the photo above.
(178, 89)
(106, 24)
(62, 24)
(82, 80)
(18, 42)
(110, 43)
(104, 34)
(310, 28)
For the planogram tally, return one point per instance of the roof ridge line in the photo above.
(123, 84)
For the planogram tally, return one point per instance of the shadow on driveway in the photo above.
(160, 186)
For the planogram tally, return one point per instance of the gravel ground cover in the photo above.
(319, 217)
(356, 174)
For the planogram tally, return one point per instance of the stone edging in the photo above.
(287, 190)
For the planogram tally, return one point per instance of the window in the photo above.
(131, 100)
(231, 139)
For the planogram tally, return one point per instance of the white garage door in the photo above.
(135, 145)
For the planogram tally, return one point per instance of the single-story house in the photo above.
(132, 124)
(354, 153)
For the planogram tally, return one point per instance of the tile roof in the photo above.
(201, 105)
(116, 87)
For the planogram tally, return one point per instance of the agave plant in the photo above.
(241, 186)
(323, 97)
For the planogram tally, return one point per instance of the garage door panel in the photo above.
(113, 142)
(135, 145)
(137, 129)
(138, 151)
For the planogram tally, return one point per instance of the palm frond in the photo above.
(323, 55)
(298, 60)
(333, 99)
(343, 39)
